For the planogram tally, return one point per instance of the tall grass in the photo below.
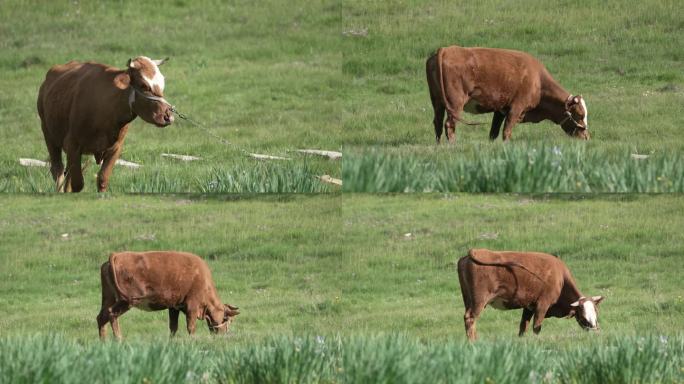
(238, 176)
(313, 359)
(519, 168)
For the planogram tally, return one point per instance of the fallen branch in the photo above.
(127, 164)
(330, 180)
(33, 163)
(332, 155)
(267, 157)
(181, 157)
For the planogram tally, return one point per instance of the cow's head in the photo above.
(147, 91)
(574, 122)
(219, 320)
(585, 311)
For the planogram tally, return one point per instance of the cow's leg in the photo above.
(191, 319)
(115, 311)
(525, 320)
(103, 317)
(438, 121)
(56, 166)
(539, 314)
(74, 177)
(471, 316)
(513, 117)
(108, 162)
(55, 152)
(108, 299)
(450, 124)
(102, 320)
(497, 119)
(173, 320)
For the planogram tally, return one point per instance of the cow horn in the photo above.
(596, 299)
(231, 310)
(131, 63)
(569, 102)
(575, 304)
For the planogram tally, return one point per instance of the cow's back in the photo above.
(494, 77)
(73, 87)
(520, 277)
(164, 278)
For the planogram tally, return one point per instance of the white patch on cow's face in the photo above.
(586, 113)
(589, 309)
(157, 79)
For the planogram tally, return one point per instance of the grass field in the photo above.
(374, 276)
(625, 60)
(261, 76)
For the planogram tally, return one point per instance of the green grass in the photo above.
(340, 263)
(264, 77)
(625, 60)
(512, 168)
(374, 276)
(375, 359)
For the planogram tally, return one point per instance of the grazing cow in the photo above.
(85, 108)
(513, 85)
(538, 283)
(153, 281)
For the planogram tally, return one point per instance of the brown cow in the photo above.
(85, 108)
(538, 283)
(511, 84)
(153, 281)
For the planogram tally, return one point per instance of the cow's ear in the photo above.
(597, 299)
(160, 62)
(122, 80)
(575, 304)
(570, 314)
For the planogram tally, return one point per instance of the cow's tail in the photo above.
(117, 287)
(474, 258)
(442, 87)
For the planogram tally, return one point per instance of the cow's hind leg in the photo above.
(108, 299)
(471, 316)
(56, 166)
(102, 320)
(438, 120)
(453, 115)
(103, 317)
(74, 177)
(55, 152)
(115, 311)
(525, 320)
(497, 119)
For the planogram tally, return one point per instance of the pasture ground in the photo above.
(374, 276)
(261, 76)
(625, 60)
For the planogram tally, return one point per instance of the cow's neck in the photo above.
(570, 293)
(125, 105)
(553, 98)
